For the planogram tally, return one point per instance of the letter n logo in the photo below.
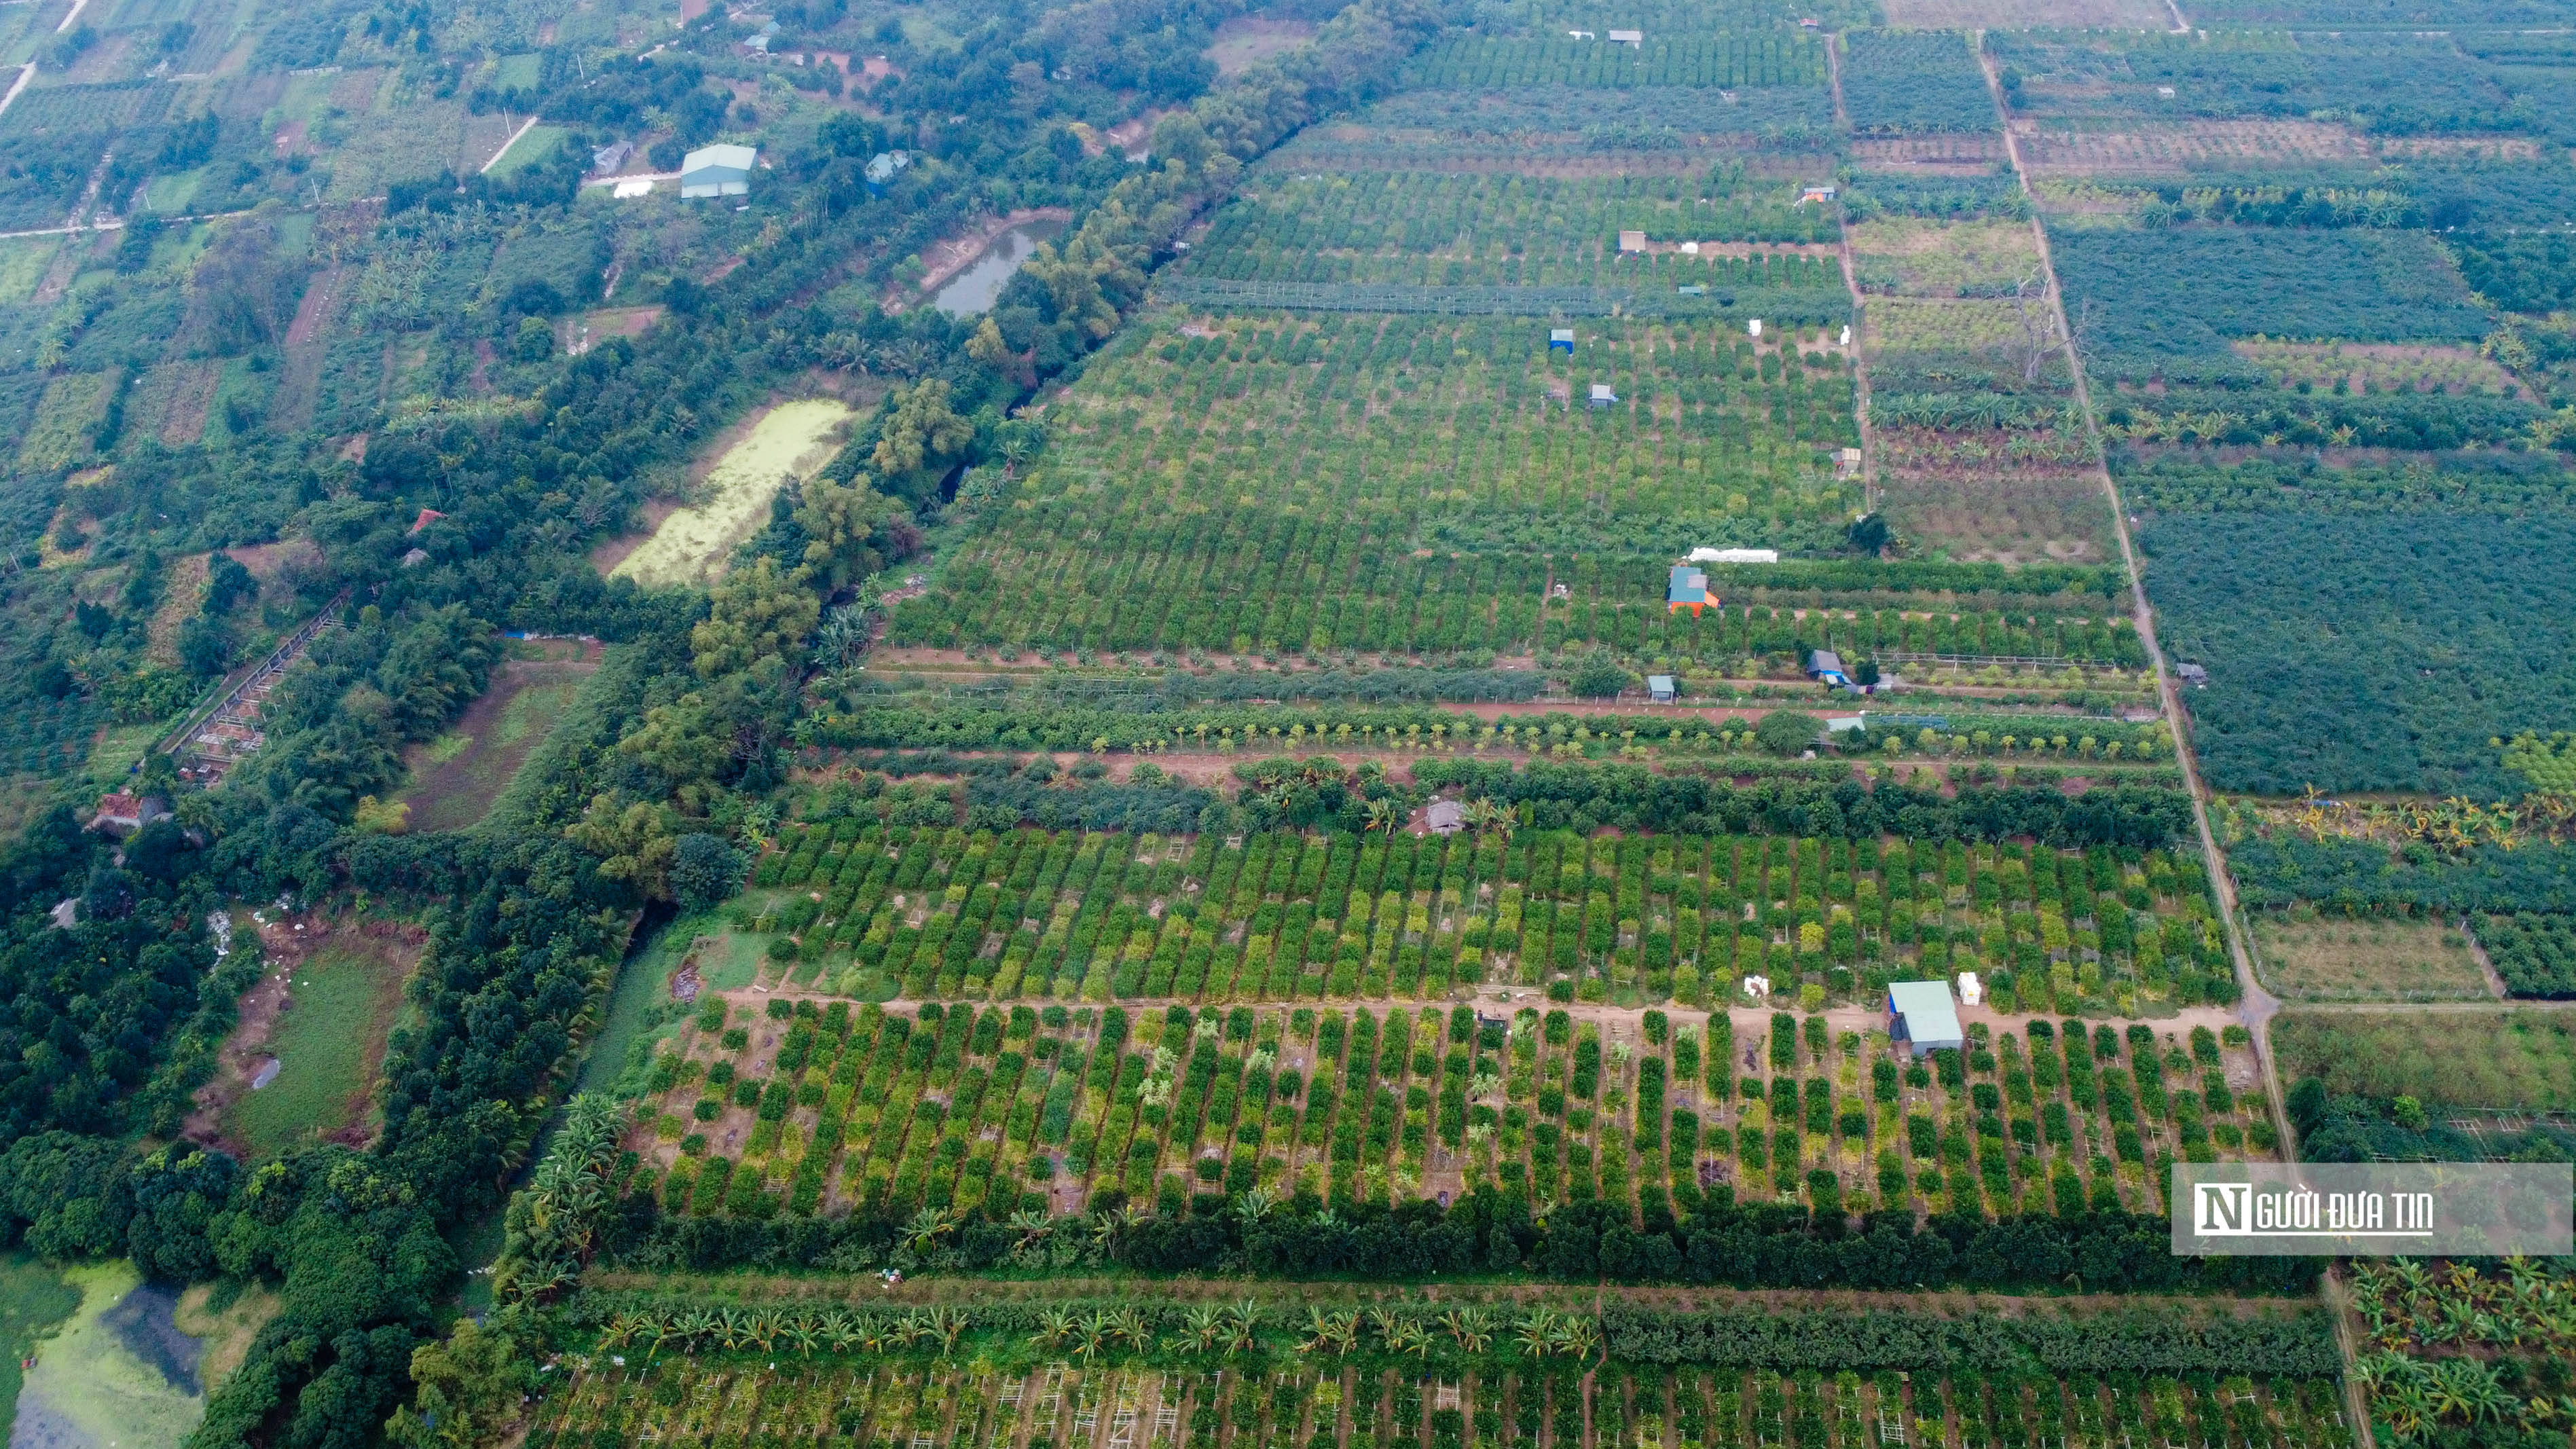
(2220, 1209)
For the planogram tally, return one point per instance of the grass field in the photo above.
(2372, 960)
(2499, 1058)
(327, 1045)
(457, 776)
(690, 546)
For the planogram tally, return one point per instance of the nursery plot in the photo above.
(2368, 960)
(1388, 484)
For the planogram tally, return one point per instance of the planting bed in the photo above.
(720, 1392)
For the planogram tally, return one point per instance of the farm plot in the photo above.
(458, 775)
(1505, 63)
(802, 1104)
(1594, 118)
(2534, 954)
(1919, 257)
(2324, 959)
(2386, 84)
(325, 1045)
(1426, 230)
(1387, 484)
(2168, 303)
(1980, 447)
(2055, 152)
(2365, 651)
(2504, 1059)
(1261, 1373)
(1038, 915)
(2024, 14)
(1903, 83)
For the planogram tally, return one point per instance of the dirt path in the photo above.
(2486, 964)
(2257, 1006)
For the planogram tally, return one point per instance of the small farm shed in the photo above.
(883, 165)
(1688, 589)
(1920, 1014)
(717, 171)
(1636, 38)
(1659, 688)
(1602, 396)
(1445, 817)
(1632, 241)
(2192, 674)
(1815, 193)
(1826, 667)
(1560, 339)
(611, 156)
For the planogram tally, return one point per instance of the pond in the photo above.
(973, 290)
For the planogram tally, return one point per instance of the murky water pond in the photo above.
(973, 290)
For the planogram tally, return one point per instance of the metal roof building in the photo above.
(1920, 1014)
(1686, 589)
(717, 171)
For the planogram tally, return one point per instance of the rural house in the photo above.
(1826, 667)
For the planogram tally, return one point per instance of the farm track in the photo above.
(2257, 1006)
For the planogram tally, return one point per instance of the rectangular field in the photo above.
(457, 776)
(1390, 484)
(2500, 1058)
(2327, 959)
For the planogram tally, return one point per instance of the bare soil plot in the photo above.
(171, 401)
(2330, 959)
(2029, 14)
(2162, 149)
(457, 776)
(1247, 39)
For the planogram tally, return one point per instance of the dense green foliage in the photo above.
(1903, 82)
(2386, 83)
(2165, 300)
(2536, 955)
(1710, 61)
(2372, 651)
